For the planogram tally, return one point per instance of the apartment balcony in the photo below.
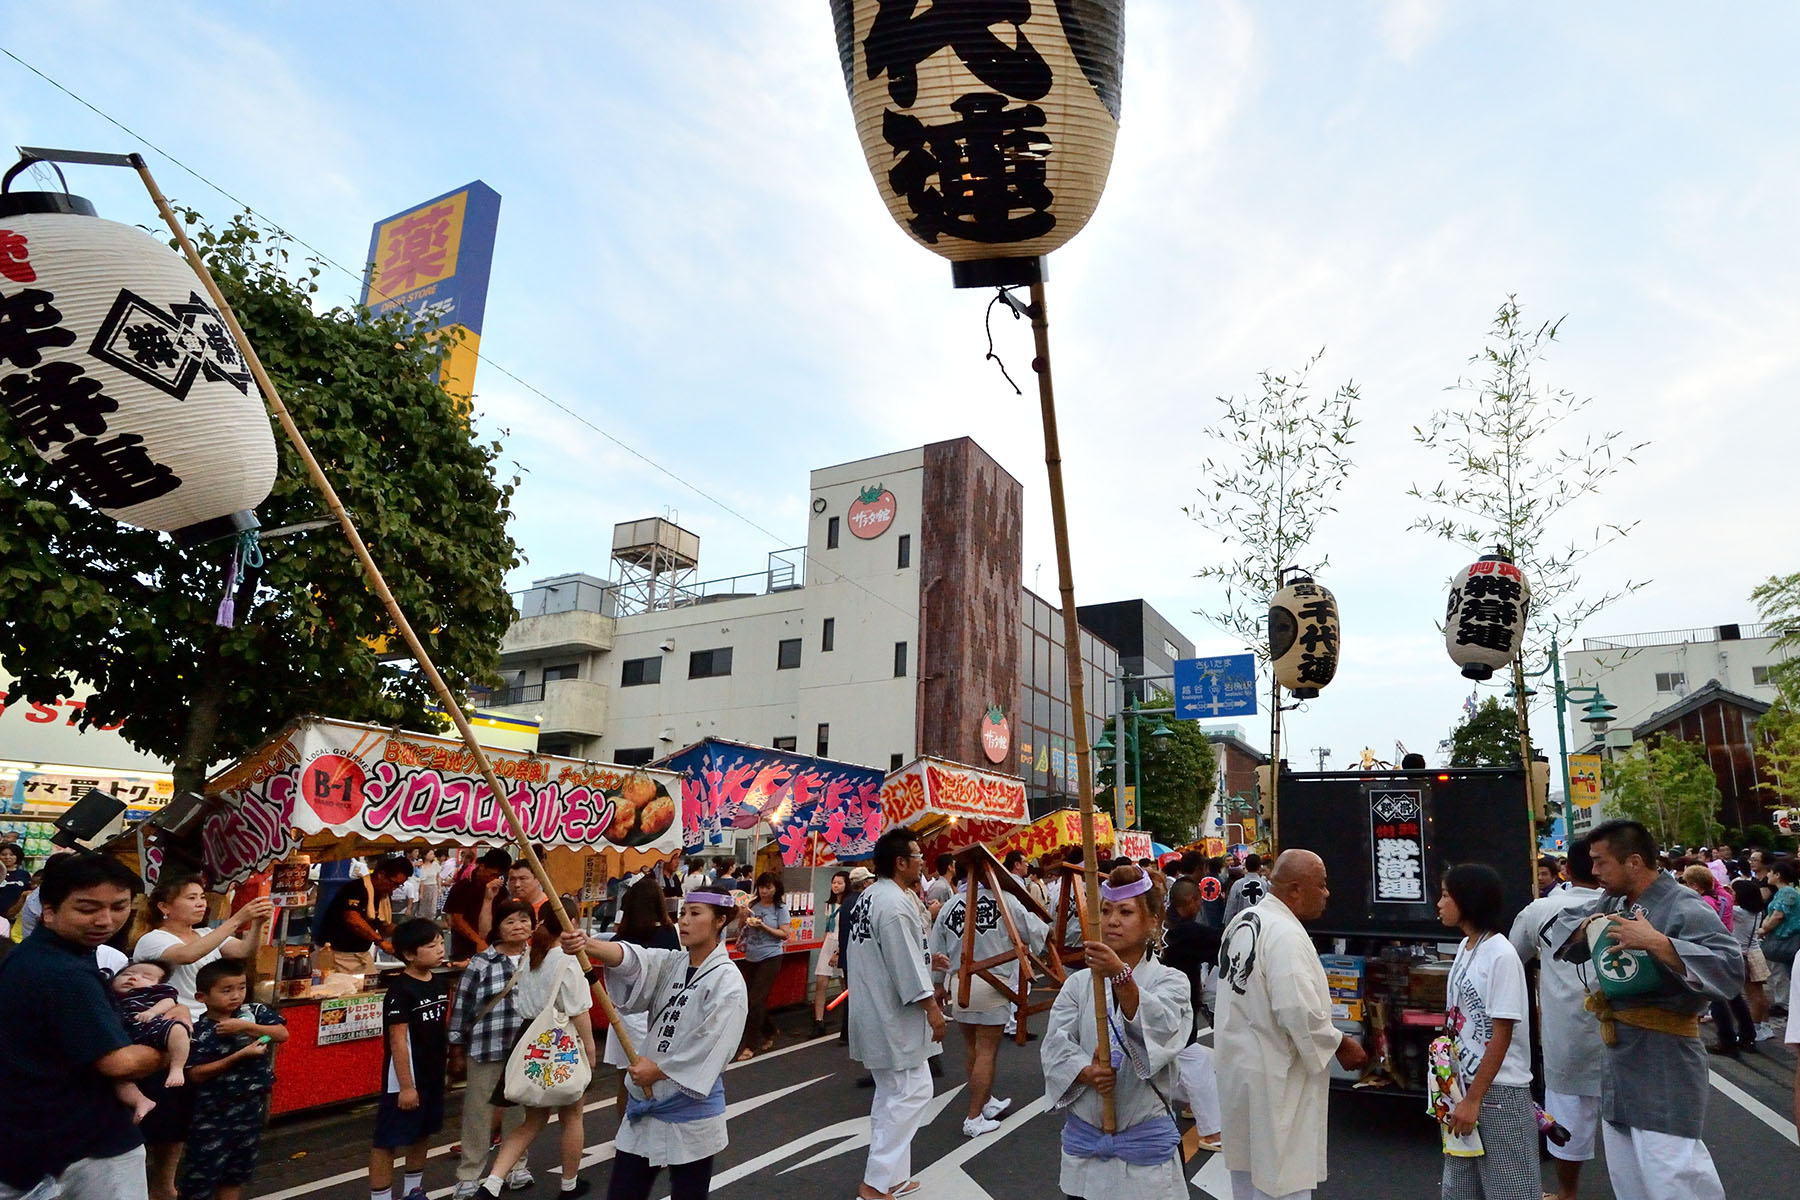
(575, 631)
(574, 707)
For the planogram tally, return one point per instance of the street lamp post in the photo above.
(1127, 743)
(1598, 716)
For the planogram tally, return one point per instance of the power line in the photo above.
(357, 276)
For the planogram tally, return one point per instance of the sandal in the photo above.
(745, 1055)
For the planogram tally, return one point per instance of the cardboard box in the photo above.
(1428, 986)
(1346, 1010)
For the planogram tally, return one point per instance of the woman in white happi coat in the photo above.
(1149, 1017)
(696, 1001)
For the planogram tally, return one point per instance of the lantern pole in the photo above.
(378, 584)
(1059, 520)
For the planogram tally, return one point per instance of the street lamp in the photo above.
(1597, 716)
(1123, 744)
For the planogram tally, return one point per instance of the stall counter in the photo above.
(791, 985)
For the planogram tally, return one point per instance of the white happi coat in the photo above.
(986, 1005)
(1273, 1045)
(695, 1025)
(1151, 1042)
(889, 975)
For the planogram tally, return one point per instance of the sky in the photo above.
(693, 257)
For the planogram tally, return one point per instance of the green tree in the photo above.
(1487, 737)
(1179, 774)
(132, 614)
(1669, 786)
(1778, 603)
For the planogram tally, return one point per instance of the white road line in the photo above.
(1212, 1177)
(1755, 1107)
(330, 1181)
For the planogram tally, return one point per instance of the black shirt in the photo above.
(334, 930)
(56, 1021)
(421, 1005)
(1188, 947)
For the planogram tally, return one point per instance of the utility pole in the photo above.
(1324, 752)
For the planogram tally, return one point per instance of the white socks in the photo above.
(413, 1181)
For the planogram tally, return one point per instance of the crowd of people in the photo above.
(137, 1064)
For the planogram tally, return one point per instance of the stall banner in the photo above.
(819, 811)
(953, 805)
(1584, 780)
(1134, 844)
(357, 781)
(1053, 833)
(349, 1018)
(1397, 845)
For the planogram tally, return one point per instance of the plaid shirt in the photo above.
(489, 1038)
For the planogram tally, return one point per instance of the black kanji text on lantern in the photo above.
(169, 349)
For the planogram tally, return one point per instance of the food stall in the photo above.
(815, 813)
(324, 790)
(952, 806)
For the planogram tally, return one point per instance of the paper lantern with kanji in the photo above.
(1303, 637)
(118, 370)
(1485, 624)
(988, 124)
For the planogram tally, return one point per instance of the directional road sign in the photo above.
(1215, 687)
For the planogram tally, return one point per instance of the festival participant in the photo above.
(1191, 947)
(1670, 956)
(361, 916)
(1573, 1054)
(1732, 1022)
(762, 934)
(484, 1022)
(896, 1024)
(697, 1004)
(1274, 1039)
(522, 884)
(1149, 1020)
(989, 1010)
(154, 1016)
(1489, 1016)
(469, 908)
(829, 969)
(233, 1077)
(413, 1016)
(1248, 890)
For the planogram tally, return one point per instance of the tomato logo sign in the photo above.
(996, 735)
(872, 512)
(333, 785)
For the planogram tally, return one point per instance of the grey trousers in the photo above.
(478, 1116)
(120, 1177)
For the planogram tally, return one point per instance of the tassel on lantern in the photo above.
(246, 563)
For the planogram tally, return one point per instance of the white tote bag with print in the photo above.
(548, 1068)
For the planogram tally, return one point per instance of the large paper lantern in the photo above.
(1485, 623)
(1303, 637)
(988, 124)
(118, 371)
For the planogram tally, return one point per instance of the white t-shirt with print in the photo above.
(1487, 983)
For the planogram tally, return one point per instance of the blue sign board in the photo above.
(1215, 687)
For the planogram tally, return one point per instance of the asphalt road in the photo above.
(799, 1127)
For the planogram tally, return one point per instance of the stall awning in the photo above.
(1053, 833)
(819, 811)
(953, 805)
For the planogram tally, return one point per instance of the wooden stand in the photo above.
(982, 869)
(1071, 905)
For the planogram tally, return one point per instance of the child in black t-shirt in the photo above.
(412, 1066)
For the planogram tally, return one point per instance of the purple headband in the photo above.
(1125, 891)
(718, 899)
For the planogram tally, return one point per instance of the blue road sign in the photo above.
(1215, 687)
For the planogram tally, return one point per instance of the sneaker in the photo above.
(995, 1108)
(417, 1193)
(976, 1126)
(466, 1189)
(518, 1179)
(582, 1187)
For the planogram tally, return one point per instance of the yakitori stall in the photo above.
(814, 812)
(330, 789)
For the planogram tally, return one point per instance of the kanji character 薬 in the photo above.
(416, 249)
(116, 473)
(1488, 637)
(899, 41)
(30, 322)
(967, 178)
(55, 402)
(13, 258)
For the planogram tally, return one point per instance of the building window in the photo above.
(831, 533)
(895, 762)
(899, 659)
(709, 664)
(1668, 681)
(824, 747)
(636, 672)
(634, 756)
(1760, 677)
(787, 654)
(562, 671)
(1171, 651)
(786, 743)
(828, 635)
(905, 551)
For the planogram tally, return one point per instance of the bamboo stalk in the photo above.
(1059, 520)
(272, 397)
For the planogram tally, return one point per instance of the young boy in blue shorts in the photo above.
(232, 1073)
(415, 1017)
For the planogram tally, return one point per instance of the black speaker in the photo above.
(93, 812)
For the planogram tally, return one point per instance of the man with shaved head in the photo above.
(1275, 1040)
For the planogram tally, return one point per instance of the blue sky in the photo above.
(692, 255)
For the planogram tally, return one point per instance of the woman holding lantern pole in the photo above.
(675, 1088)
(1149, 1015)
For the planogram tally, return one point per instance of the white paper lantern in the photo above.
(1485, 623)
(988, 124)
(1303, 637)
(118, 370)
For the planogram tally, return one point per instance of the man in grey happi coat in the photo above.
(1670, 956)
(895, 1022)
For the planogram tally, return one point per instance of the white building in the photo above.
(1645, 673)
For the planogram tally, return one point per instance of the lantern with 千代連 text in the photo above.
(988, 124)
(1484, 625)
(119, 372)
(1303, 637)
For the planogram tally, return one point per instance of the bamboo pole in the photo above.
(1059, 520)
(378, 584)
